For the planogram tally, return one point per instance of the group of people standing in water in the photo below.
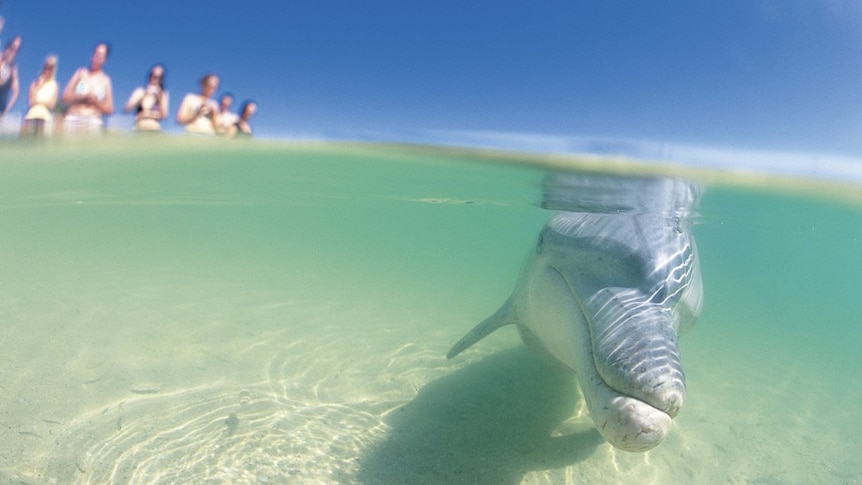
(198, 112)
(88, 100)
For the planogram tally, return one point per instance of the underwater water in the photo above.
(188, 311)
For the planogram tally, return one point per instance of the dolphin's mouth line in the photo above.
(587, 348)
(628, 422)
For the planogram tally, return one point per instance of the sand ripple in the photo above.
(214, 434)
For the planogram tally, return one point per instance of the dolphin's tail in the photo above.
(500, 318)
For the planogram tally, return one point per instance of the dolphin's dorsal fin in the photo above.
(503, 316)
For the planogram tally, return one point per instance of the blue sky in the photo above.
(742, 74)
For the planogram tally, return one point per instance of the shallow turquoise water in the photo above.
(279, 313)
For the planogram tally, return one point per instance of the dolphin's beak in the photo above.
(635, 350)
(625, 354)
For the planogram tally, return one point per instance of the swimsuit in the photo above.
(84, 87)
(82, 124)
(148, 110)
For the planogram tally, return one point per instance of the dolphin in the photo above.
(612, 283)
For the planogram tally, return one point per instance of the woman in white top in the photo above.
(198, 111)
(150, 102)
(42, 99)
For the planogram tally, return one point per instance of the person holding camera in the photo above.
(150, 102)
(197, 112)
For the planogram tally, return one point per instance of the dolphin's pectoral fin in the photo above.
(500, 318)
(635, 347)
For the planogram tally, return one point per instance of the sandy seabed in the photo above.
(200, 384)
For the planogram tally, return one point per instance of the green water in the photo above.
(184, 312)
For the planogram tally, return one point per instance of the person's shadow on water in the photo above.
(488, 423)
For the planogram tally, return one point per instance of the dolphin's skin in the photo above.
(612, 283)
